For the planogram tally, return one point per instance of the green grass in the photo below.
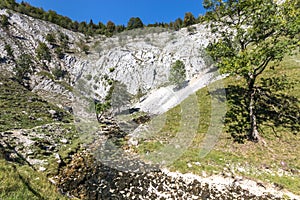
(22, 182)
(21, 108)
(276, 163)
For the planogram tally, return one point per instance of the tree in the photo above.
(134, 22)
(177, 73)
(110, 27)
(252, 35)
(120, 98)
(189, 19)
(178, 24)
(43, 52)
(23, 68)
(101, 108)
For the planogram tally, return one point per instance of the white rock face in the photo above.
(140, 59)
(143, 62)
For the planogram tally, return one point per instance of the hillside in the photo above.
(53, 147)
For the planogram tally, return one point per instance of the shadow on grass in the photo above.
(28, 186)
(274, 108)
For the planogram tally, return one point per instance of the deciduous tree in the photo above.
(252, 36)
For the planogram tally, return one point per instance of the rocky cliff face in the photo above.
(140, 59)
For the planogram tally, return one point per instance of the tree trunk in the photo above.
(253, 133)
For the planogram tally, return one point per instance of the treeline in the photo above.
(91, 28)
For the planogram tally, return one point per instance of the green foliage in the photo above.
(64, 41)
(110, 28)
(112, 69)
(260, 34)
(120, 97)
(269, 36)
(189, 19)
(178, 24)
(43, 52)
(4, 21)
(59, 73)
(10, 4)
(23, 68)
(59, 53)
(177, 73)
(89, 77)
(9, 51)
(134, 22)
(50, 37)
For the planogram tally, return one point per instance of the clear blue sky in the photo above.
(120, 11)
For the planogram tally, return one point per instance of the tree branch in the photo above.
(263, 66)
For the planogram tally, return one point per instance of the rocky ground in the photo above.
(88, 179)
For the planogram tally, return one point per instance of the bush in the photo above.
(59, 73)
(50, 37)
(4, 21)
(43, 52)
(59, 53)
(9, 51)
(89, 77)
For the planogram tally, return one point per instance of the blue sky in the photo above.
(120, 11)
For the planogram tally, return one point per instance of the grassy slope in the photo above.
(21, 108)
(278, 162)
(22, 182)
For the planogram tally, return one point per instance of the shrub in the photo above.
(9, 51)
(4, 21)
(59, 73)
(50, 37)
(59, 53)
(89, 77)
(43, 52)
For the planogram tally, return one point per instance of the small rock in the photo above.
(133, 142)
(42, 169)
(64, 141)
(52, 112)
